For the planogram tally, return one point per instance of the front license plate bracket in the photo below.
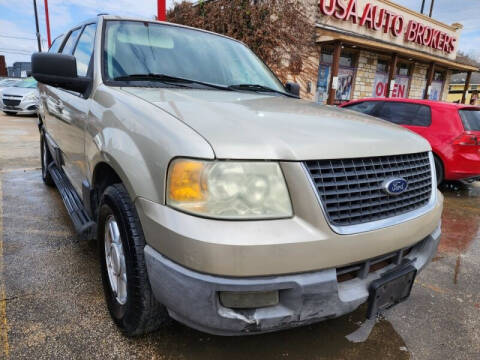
(391, 289)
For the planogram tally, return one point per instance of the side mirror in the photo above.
(58, 70)
(293, 88)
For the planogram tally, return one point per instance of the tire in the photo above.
(133, 306)
(46, 159)
(439, 170)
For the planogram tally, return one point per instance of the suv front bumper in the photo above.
(192, 297)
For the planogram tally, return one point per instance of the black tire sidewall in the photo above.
(439, 170)
(125, 316)
(46, 176)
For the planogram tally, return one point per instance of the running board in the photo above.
(82, 222)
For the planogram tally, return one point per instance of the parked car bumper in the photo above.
(465, 165)
(29, 107)
(193, 298)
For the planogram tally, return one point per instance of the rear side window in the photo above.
(366, 107)
(56, 44)
(71, 41)
(84, 49)
(405, 113)
(470, 119)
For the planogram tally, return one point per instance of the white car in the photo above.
(21, 98)
(8, 82)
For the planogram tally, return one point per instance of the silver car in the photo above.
(8, 82)
(21, 98)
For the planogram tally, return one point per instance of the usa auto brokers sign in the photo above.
(386, 21)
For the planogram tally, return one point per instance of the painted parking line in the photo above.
(4, 351)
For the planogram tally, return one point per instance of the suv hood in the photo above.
(245, 125)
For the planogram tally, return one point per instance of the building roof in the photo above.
(460, 78)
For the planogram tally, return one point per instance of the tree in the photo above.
(278, 31)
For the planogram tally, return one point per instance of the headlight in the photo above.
(31, 96)
(228, 189)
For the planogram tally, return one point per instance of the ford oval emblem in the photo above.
(394, 186)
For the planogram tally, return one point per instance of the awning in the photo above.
(326, 34)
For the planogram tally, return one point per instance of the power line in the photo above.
(20, 38)
(15, 51)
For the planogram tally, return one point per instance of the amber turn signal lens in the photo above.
(185, 181)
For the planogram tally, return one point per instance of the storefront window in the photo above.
(346, 74)
(402, 80)
(381, 79)
(437, 86)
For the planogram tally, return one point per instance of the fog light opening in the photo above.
(248, 299)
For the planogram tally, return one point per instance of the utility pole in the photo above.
(423, 7)
(431, 8)
(47, 18)
(161, 10)
(36, 24)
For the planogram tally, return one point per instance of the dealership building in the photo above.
(377, 48)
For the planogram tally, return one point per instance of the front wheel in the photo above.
(121, 243)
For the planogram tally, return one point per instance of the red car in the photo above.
(453, 131)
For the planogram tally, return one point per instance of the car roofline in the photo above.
(413, 101)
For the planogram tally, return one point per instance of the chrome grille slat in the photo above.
(351, 189)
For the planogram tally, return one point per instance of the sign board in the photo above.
(391, 23)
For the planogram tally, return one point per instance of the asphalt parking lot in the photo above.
(52, 307)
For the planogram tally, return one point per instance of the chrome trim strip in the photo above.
(380, 224)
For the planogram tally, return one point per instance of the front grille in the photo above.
(8, 102)
(351, 189)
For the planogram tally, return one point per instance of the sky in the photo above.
(17, 24)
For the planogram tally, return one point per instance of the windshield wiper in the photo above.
(260, 88)
(167, 79)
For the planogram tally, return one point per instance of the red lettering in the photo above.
(420, 31)
(367, 17)
(397, 25)
(446, 43)
(380, 89)
(386, 26)
(411, 33)
(401, 91)
(325, 10)
(377, 23)
(452, 44)
(341, 10)
(433, 42)
(352, 11)
(427, 35)
(441, 40)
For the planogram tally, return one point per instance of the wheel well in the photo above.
(103, 176)
(441, 162)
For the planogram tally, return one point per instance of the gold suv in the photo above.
(216, 195)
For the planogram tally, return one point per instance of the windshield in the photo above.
(470, 119)
(27, 83)
(6, 82)
(133, 48)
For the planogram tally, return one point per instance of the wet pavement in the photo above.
(52, 307)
